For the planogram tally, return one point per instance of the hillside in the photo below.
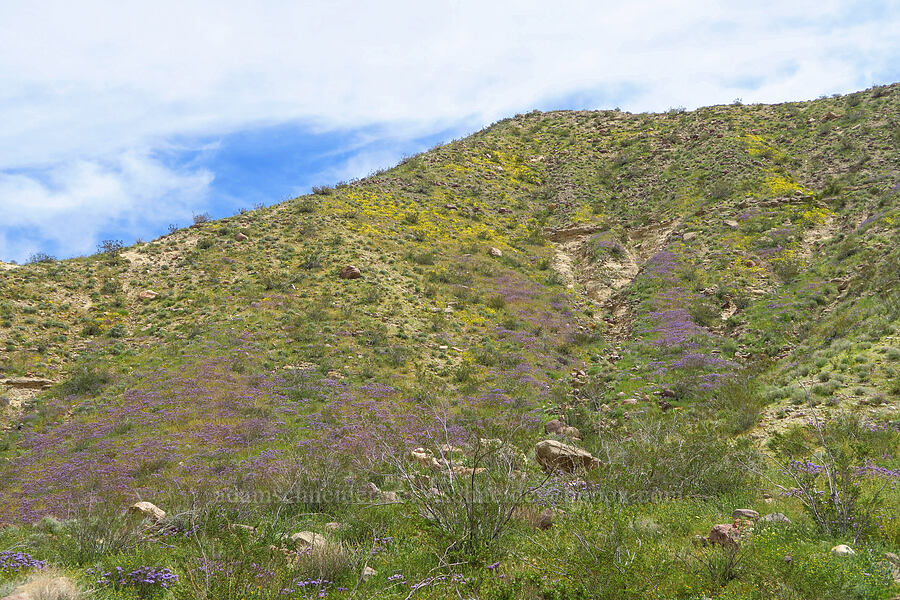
(727, 268)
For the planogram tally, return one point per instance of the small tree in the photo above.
(110, 248)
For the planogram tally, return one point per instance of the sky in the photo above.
(121, 118)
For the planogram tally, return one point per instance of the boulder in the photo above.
(630, 401)
(829, 116)
(240, 237)
(147, 510)
(731, 223)
(148, 295)
(553, 455)
(309, 540)
(777, 518)
(725, 534)
(843, 550)
(350, 272)
(689, 236)
(745, 513)
(553, 426)
(495, 252)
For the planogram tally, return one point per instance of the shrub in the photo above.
(86, 379)
(95, 532)
(470, 501)
(111, 248)
(201, 218)
(663, 457)
(604, 553)
(826, 465)
(40, 257)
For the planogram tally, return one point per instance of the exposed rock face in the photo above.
(556, 456)
(147, 510)
(350, 272)
(27, 383)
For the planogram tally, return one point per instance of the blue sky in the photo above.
(119, 119)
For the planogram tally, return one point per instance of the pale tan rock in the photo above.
(147, 510)
(843, 550)
(553, 455)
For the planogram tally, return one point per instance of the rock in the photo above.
(240, 237)
(335, 526)
(448, 450)
(667, 393)
(699, 540)
(744, 513)
(27, 383)
(830, 116)
(495, 252)
(725, 534)
(148, 295)
(309, 540)
(775, 518)
(424, 458)
(390, 497)
(553, 426)
(689, 236)
(630, 401)
(369, 572)
(731, 223)
(350, 272)
(843, 550)
(664, 405)
(241, 527)
(892, 562)
(545, 519)
(569, 432)
(553, 455)
(450, 206)
(147, 510)
(45, 587)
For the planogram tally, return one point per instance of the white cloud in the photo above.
(85, 79)
(69, 207)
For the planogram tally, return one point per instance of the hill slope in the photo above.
(551, 264)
